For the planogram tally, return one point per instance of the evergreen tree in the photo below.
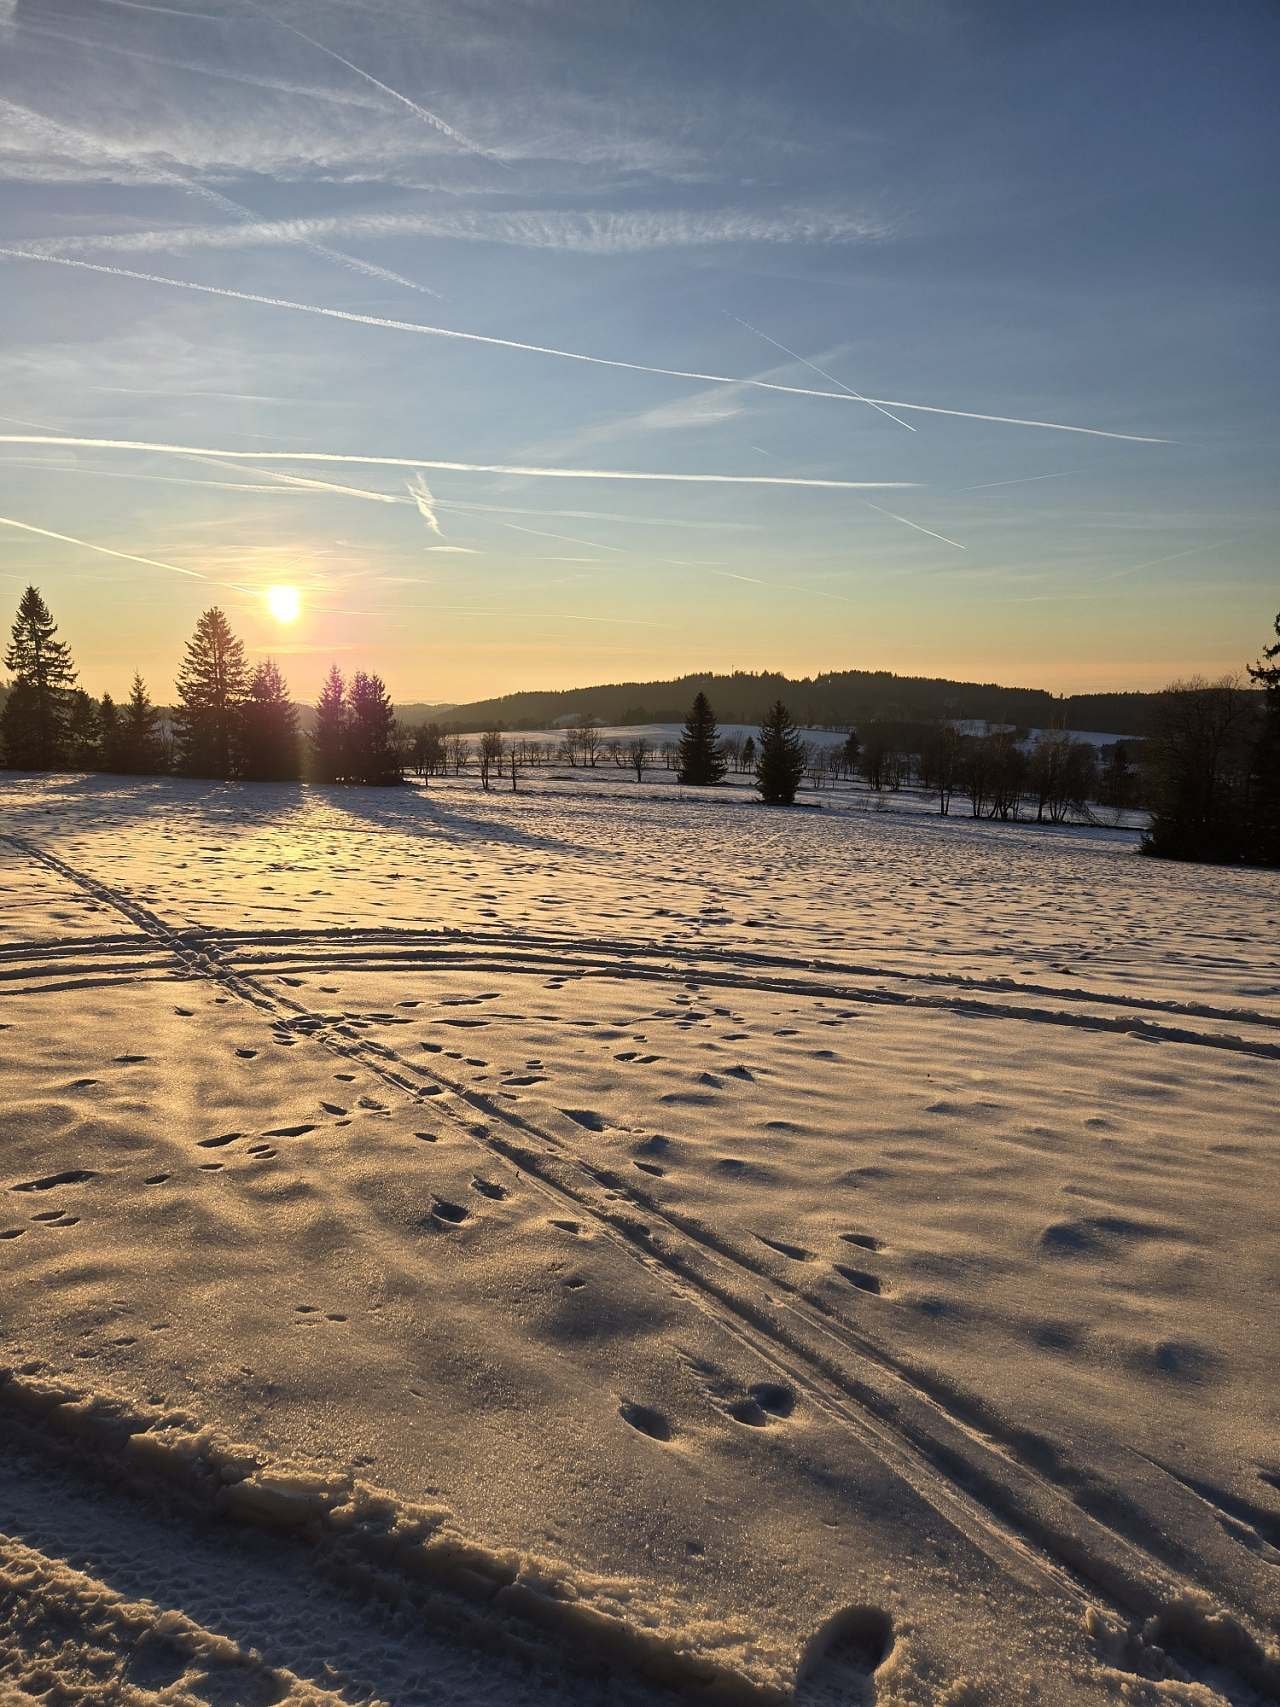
(749, 753)
(851, 751)
(329, 737)
(83, 731)
(139, 745)
(109, 741)
(699, 760)
(1264, 813)
(211, 686)
(373, 738)
(269, 728)
(33, 727)
(781, 763)
(1198, 762)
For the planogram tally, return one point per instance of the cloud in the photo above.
(246, 219)
(423, 330)
(583, 232)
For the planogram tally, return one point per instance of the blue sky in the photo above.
(998, 210)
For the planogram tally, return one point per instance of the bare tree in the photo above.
(639, 751)
(587, 739)
(490, 755)
(458, 752)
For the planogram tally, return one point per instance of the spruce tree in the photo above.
(373, 738)
(269, 728)
(33, 726)
(211, 686)
(83, 731)
(108, 734)
(781, 763)
(329, 736)
(699, 760)
(139, 745)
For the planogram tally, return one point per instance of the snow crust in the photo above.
(618, 1242)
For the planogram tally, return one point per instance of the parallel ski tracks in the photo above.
(1022, 1520)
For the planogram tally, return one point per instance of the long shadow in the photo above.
(418, 812)
(207, 806)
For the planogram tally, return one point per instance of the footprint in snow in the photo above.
(646, 1420)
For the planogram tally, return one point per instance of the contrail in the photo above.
(420, 493)
(1173, 557)
(106, 550)
(455, 467)
(225, 204)
(568, 538)
(426, 331)
(821, 371)
(590, 515)
(81, 472)
(428, 117)
(778, 586)
(1025, 480)
(916, 525)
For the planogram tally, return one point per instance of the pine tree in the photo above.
(109, 741)
(211, 685)
(699, 760)
(139, 745)
(269, 728)
(329, 737)
(33, 726)
(373, 739)
(781, 763)
(83, 731)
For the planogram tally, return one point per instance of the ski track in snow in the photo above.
(723, 1159)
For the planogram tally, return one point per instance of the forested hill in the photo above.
(836, 700)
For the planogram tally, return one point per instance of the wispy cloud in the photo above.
(246, 218)
(423, 330)
(583, 232)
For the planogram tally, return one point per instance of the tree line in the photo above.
(836, 700)
(1209, 772)
(229, 721)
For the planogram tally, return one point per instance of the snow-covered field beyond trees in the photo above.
(611, 1244)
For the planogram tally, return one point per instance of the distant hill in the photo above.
(836, 700)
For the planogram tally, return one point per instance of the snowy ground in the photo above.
(616, 1244)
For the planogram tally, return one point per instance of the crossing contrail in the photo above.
(821, 371)
(252, 456)
(426, 331)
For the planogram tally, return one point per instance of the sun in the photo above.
(284, 603)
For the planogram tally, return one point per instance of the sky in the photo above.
(546, 342)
